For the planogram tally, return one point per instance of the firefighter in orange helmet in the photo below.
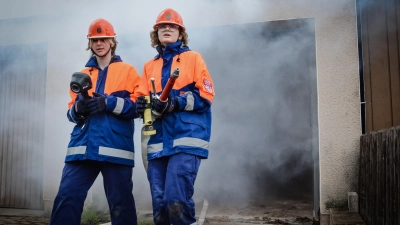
(183, 131)
(102, 139)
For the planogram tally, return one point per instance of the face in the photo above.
(168, 33)
(100, 46)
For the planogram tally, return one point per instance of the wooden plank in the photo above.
(398, 176)
(380, 179)
(393, 51)
(372, 190)
(379, 66)
(371, 184)
(397, 7)
(376, 192)
(390, 177)
(394, 206)
(395, 183)
(383, 157)
(383, 176)
(361, 177)
(387, 175)
(364, 18)
(369, 172)
(373, 158)
(343, 217)
(363, 188)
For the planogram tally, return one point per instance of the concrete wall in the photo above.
(63, 25)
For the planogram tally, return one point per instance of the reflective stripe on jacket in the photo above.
(189, 129)
(106, 136)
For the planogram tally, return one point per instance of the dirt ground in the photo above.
(292, 212)
(280, 211)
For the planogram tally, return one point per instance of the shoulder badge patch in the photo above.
(208, 85)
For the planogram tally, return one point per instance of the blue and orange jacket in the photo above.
(187, 129)
(106, 136)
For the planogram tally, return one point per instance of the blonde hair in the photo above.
(113, 42)
(183, 36)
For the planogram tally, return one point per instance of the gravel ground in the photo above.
(291, 212)
(22, 220)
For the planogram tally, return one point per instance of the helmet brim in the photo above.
(167, 21)
(93, 37)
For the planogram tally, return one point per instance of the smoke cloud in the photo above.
(261, 141)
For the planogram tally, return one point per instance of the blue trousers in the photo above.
(172, 186)
(76, 180)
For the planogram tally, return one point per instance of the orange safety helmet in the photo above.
(101, 28)
(169, 16)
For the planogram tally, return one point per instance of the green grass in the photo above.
(90, 216)
(145, 222)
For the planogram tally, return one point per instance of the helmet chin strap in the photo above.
(101, 55)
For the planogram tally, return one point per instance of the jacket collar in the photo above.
(93, 61)
(171, 50)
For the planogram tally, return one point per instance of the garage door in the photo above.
(22, 101)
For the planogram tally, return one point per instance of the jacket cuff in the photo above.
(111, 102)
(74, 115)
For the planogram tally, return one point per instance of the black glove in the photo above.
(164, 107)
(81, 108)
(141, 104)
(97, 103)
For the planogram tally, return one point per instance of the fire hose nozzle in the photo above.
(154, 88)
(175, 74)
(170, 83)
(166, 91)
(148, 128)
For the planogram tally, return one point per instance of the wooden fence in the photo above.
(379, 39)
(379, 177)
